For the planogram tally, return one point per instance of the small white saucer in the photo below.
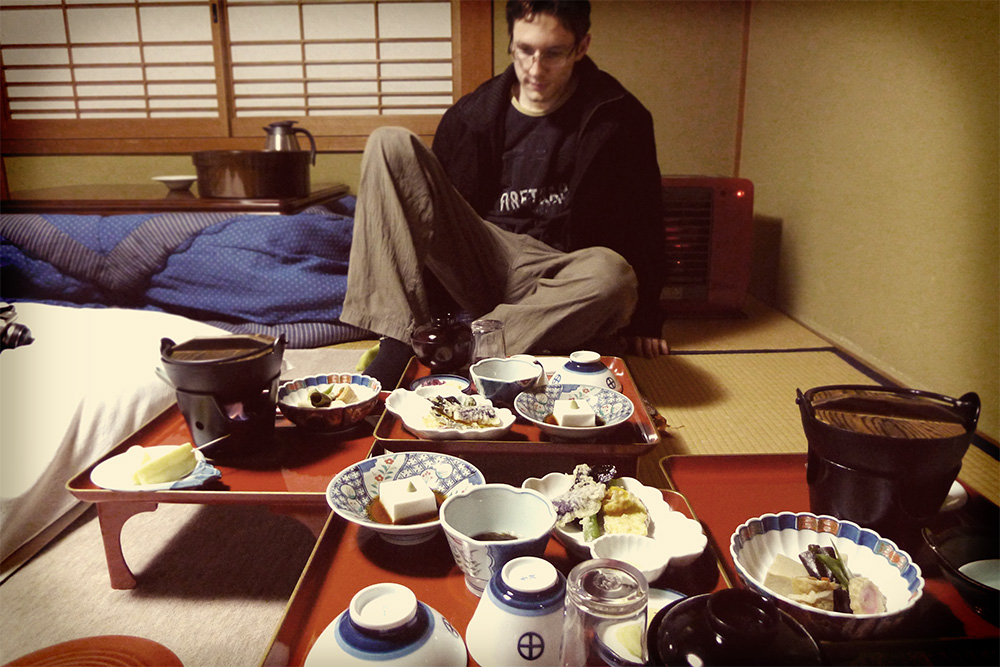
(176, 183)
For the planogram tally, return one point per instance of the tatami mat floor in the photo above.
(729, 387)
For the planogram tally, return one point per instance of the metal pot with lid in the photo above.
(884, 457)
(226, 385)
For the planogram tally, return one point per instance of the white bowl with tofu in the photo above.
(328, 402)
(574, 411)
(766, 553)
(398, 495)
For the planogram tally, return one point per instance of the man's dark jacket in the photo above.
(615, 188)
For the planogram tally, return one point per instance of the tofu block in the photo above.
(782, 573)
(170, 467)
(407, 500)
(571, 412)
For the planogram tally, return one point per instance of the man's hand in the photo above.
(647, 346)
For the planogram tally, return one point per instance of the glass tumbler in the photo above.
(605, 622)
(488, 340)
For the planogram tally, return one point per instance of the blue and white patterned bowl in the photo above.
(609, 405)
(292, 395)
(756, 543)
(354, 488)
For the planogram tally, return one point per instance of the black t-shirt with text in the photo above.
(538, 161)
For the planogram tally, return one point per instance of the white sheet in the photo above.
(85, 384)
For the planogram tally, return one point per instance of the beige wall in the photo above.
(870, 132)
(682, 60)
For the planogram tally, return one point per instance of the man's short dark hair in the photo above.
(574, 15)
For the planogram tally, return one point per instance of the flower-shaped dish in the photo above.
(680, 538)
(756, 543)
(413, 406)
(642, 552)
(293, 396)
(354, 488)
(611, 408)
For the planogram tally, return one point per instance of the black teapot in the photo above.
(444, 345)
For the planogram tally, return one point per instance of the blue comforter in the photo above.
(246, 273)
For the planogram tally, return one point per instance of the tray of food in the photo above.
(517, 446)
(763, 513)
(348, 557)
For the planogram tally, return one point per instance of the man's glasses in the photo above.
(556, 57)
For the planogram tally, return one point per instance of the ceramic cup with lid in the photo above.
(386, 624)
(586, 367)
(519, 620)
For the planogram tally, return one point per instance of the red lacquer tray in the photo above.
(288, 473)
(727, 490)
(348, 558)
(295, 466)
(525, 451)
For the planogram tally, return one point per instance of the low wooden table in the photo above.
(288, 475)
(154, 198)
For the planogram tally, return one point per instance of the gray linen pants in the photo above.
(410, 218)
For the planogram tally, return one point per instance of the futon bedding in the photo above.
(245, 273)
(99, 292)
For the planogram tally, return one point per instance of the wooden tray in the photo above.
(295, 467)
(348, 558)
(726, 490)
(525, 451)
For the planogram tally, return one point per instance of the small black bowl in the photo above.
(956, 546)
(728, 627)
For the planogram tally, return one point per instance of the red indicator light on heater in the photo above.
(741, 193)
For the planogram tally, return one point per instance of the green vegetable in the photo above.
(837, 568)
(319, 399)
(367, 358)
(591, 527)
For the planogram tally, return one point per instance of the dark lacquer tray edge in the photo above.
(305, 592)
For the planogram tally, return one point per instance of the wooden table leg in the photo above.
(112, 516)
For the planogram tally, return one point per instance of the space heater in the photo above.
(708, 225)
